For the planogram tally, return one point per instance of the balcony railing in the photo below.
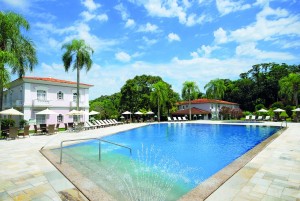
(73, 104)
(41, 103)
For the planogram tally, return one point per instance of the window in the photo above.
(60, 95)
(41, 95)
(40, 119)
(74, 97)
(76, 118)
(60, 118)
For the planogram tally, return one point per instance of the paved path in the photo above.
(274, 174)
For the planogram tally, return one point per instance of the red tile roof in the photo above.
(50, 79)
(193, 111)
(205, 100)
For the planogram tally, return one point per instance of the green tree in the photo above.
(159, 95)
(190, 90)
(16, 50)
(78, 53)
(290, 87)
(215, 89)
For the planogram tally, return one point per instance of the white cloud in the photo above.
(220, 36)
(87, 16)
(22, 4)
(149, 41)
(228, 6)
(90, 4)
(193, 19)
(102, 17)
(123, 57)
(148, 28)
(173, 37)
(250, 50)
(130, 23)
(124, 14)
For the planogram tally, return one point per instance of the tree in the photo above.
(78, 53)
(190, 90)
(290, 87)
(159, 95)
(16, 50)
(215, 89)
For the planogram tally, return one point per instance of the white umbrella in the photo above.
(262, 110)
(296, 110)
(127, 112)
(93, 112)
(11, 111)
(150, 112)
(138, 112)
(46, 111)
(74, 112)
(122, 117)
(279, 110)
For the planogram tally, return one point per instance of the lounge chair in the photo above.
(108, 123)
(13, 132)
(267, 118)
(179, 119)
(247, 117)
(36, 130)
(101, 123)
(169, 119)
(253, 118)
(105, 123)
(97, 124)
(117, 122)
(174, 118)
(259, 118)
(51, 129)
(25, 131)
(91, 125)
(184, 119)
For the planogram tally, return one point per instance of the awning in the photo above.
(194, 110)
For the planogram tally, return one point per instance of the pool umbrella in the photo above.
(150, 112)
(262, 110)
(296, 110)
(73, 112)
(93, 112)
(279, 110)
(127, 112)
(122, 117)
(11, 111)
(138, 113)
(46, 111)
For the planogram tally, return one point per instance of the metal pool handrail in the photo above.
(99, 139)
(282, 123)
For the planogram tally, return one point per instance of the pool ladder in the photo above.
(282, 124)
(99, 140)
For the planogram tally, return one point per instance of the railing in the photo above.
(41, 103)
(99, 139)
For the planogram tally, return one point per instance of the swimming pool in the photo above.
(168, 160)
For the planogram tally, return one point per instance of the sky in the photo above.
(178, 40)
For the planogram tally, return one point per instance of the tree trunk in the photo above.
(78, 95)
(158, 110)
(296, 98)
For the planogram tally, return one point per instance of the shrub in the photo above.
(6, 123)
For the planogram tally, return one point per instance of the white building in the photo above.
(30, 95)
(205, 108)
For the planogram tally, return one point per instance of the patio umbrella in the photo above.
(262, 110)
(296, 110)
(46, 111)
(122, 117)
(74, 112)
(138, 113)
(150, 112)
(93, 112)
(127, 112)
(11, 111)
(279, 110)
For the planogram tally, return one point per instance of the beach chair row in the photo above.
(259, 118)
(177, 119)
(101, 123)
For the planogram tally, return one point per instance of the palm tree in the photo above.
(190, 90)
(16, 50)
(215, 89)
(159, 95)
(80, 54)
(290, 87)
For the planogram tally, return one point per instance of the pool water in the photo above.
(167, 161)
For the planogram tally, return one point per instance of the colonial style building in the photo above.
(30, 95)
(203, 108)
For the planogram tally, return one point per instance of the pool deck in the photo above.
(273, 174)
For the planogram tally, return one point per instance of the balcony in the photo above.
(41, 103)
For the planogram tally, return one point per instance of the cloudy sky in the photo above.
(179, 40)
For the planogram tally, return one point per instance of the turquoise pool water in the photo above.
(168, 160)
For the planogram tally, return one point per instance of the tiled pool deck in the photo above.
(273, 174)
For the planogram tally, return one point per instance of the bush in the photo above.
(6, 123)
(289, 111)
(277, 105)
(283, 115)
(23, 123)
(259, 106)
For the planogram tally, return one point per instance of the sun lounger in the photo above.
(179, 119)
(247, 117)
(97, 124)
(174, 118)
(25, 131)
(101, 123)
(259, 118)
(117, 122)
(169, 119)
(253, 118)
(184, 119)
(109, 123)
(91, 125)
(105, 123)
(267, 118)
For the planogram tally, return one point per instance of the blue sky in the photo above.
(179, 40)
